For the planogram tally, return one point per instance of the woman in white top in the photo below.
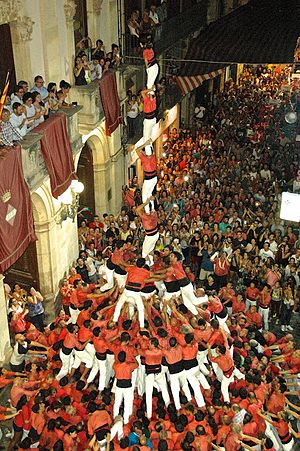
(39, 109)
(30, 111)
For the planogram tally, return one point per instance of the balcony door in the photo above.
(7, 58)
(85, 173)
(25, 270)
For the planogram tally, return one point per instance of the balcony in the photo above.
(34, 168)
(91, 112)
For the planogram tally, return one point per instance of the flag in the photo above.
(189, 83)
(4, 94)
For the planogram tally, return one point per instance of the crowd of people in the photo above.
(27, 108)
(91, 63)
(168, 336)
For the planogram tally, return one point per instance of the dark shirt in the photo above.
(84, 273)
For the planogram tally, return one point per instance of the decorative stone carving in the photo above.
(97, 6)
(24, 28)
(70, 10)
(11, 12)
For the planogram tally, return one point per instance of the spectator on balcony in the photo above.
(79, 72)
(147, 26)
(40, 88)
(30, 110)
(134, 30)
(8, 133)
(18, 119)
(53, 100)
(17, 95)
(99, 52)
(115, 57)
(153, 15)
(24, 85)
(40, 110)
(8, 104)
(96, 69)
(84, 46)
(65, 89)
(87, 70)
(162, 12)
(132, 115)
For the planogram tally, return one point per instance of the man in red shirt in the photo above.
(226, 364)
(123, 391)
(149, 221)
(152, 67)
(137, 276)
(154, 375)
(149, 100)
(264, 301)
(149, 164)
(114, 266)
(189, 298)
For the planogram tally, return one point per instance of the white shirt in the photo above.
(16, 358)
(96, 71)
(266, 254)
(154, 17)
(14, 98)
(16, 122)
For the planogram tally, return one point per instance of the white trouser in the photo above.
(222, 323)
(67, 361)
(167, 295)
(201, 357)
(84, 356)
(159, 380)
(272, 433)
(264, 312)
(249, 303)
(226, 381)
(288, 446)
(160, 287)
(149, 244)
(140, 377)
(132, 297)
(109, 276)
(116, 429)
(121, 279)
(152, 73)
(147, 190)
(192, 377)
(200, 300)
(110, 359)
(73, 315)
(148, 125)
(188, 298)
(126, 395)
(177, 381)
(148, 295)
(98, 366)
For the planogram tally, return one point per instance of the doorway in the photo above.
(85, 173)
(25, 270)
(7, 58)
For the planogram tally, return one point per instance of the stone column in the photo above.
(5, 347)
(21, 35)
(102, 205)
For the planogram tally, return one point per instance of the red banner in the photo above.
(110, 102)
(16, 220)
(57, 152)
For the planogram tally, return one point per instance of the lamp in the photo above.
(291, 117)
(69, 202)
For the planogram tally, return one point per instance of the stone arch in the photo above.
(42, 205)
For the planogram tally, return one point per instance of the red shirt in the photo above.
(149, 163)
(149, 104)
(149, 222)
(136, 277)
(178, 271)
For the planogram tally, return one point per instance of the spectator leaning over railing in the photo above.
(8, 133)
(18, 119)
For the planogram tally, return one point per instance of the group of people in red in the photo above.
(145, 358)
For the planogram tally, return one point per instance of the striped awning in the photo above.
(260, 32)
(187, 84)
